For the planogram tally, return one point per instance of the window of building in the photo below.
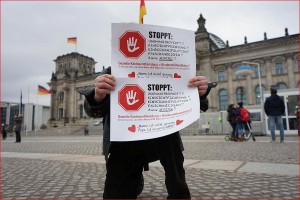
(81, 111)
(241, 95)
(296, 65)
(223, 99)
(61, 97)
(257, 94)
(80, 96)
(239, 77)
(279, 68)
(292, 102)
(60, 113)
(256, 71)
(281, 86)
(3, 115)
(221, 76)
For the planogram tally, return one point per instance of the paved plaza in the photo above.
(72, 167)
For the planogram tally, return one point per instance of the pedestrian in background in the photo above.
(18, 127)
(274, 108)
(245, 117)
(231, 118)
(4, 131)
(239, 124)
(86, 130)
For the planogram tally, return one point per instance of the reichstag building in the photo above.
(277, 59)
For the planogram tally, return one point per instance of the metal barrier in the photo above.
(216, 123)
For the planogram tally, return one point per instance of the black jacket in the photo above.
(102, 109)
(231, 115)
(274, 106)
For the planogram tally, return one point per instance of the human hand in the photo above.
(131, 45)
(200, 82)
(104, 84)
(130, 96)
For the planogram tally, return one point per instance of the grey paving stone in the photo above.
(271, 168)
(79, 172)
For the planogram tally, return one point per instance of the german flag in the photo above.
(72, 40)
(143, 11)
(42, 90)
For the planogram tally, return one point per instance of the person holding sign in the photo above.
(125, 160)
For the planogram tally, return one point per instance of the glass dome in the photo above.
(217, 41)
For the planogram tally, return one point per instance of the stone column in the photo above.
(290, 71)
(269, 72)
(250, 89)
(230, 91)
(8, 114)
(55, 106)
(66, 105)
(52, 106)
(72, 103)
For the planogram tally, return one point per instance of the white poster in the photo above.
(152, 65)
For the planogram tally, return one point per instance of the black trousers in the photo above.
(126, 161)
(4, 136)
(18, 136)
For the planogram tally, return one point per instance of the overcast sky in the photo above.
(35, 33)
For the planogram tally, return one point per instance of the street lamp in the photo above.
(260, 85)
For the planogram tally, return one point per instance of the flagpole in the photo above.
(35, 112)
(73, 40)
(27, 113)
(20, 103)
(37, 99)
(143, 11)
(20, 106)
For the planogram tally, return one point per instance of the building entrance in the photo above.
(291, 101)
